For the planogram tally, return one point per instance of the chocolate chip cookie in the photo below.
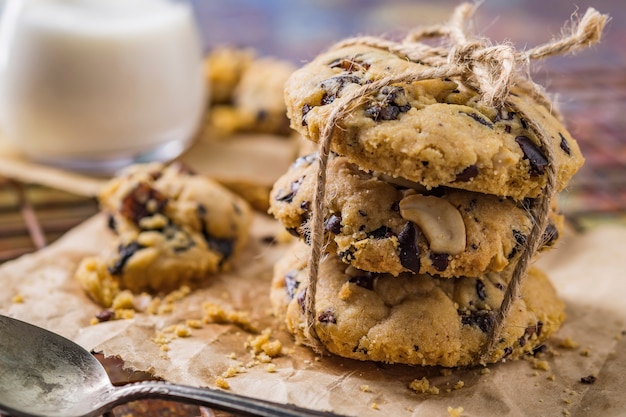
(172, 227)
(435, 132)
(381, 224)
(413, 319)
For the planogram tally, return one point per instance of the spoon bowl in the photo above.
(45, 374)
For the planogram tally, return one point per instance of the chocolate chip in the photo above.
(523, 123)
(380, 233)
(440, 261)
(564, 145)
(305, 110)
(536, 158)
(467, 174)
(111, 223)
(507, 352)
(589, 379)
(333, 224)
(365, 281)
(550, 235)
(480, 290)
(305, 160)
(479, 119)
(395, 206)
(481, 319)
(390, 102)
(347, 255)
(142, 201)
(105, 315)
(540, 349)
(293, 231)
(539, 327)
(291, 284)
(333, 86)
(124, 253)
(363, 213)
(327, 316)
(520, 240)
(293, 190)
(409, 250)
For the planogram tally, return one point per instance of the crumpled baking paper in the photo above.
(587, 269)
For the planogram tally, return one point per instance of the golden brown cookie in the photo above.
(435, 132)
(380, 224)
(413, 319)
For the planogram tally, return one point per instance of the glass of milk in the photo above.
(94, 85)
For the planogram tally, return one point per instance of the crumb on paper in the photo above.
(182, 331)
(589, 379)
(262, 344)
(365, 388)
(232, 355)
(222, 383)
(455, 412)
(485, 371)
(17, 299)
(445, 371)
(541, 365)
(551, 377)
(374, 406)
(423, 386)
(270, 368)
(213, 313)
(585, 352)
(460, 384)
(569, 343)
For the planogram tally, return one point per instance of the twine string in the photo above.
(490, 69)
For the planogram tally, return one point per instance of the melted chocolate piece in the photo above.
(327, 316)
(481, 319)
(467, 174)
(479, 119)
(125, 252)
(409, 250)
(440, 261)
(333, 224)
(365, 281)
(532, 152)
(142, 201)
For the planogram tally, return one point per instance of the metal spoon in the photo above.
(44, 374)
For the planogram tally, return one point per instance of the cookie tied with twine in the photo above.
(492, 71)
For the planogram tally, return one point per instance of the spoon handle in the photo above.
(220, 400)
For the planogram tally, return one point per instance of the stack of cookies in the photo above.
(429, 195)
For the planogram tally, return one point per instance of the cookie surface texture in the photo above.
(383, 225)
(435, 132)
(413, 319)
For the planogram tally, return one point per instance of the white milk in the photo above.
(95, 82)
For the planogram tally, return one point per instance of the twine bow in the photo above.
(492, 70)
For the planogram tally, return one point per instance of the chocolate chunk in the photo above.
(467, 174)
(539, 327)
(333, 224)
(440, 261)
(293, 190)
(293, 231)
(291, 284)
(142, 201)
(111, 223)
(507, 352)
(540, 349)
(390, 102)
(409, 250)
(366, 280)
(520, 240)
(564, 145)
(301, 297)
(380, 233)
(333, 86)
(105, 315)
(481, 319)
(479, 119)
(589, 379)
(305, 110)
(480, 289)
(550, 235)
(327, 316)
(124, 252)
(536, 158)
(395, 206)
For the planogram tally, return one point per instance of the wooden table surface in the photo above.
(591, 89)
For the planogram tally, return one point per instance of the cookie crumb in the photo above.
(374, 406)
(551, 377)
(569, 343)
(446, 371)
(541, 365)
(460, 384)
(585, 352)
(213, 313)
(365, 388)
(270, 368)
(17, 299)
(423, 386)
(222, 383)
(485, 371)
(455, 412)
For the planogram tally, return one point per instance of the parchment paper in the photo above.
(587, 269)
